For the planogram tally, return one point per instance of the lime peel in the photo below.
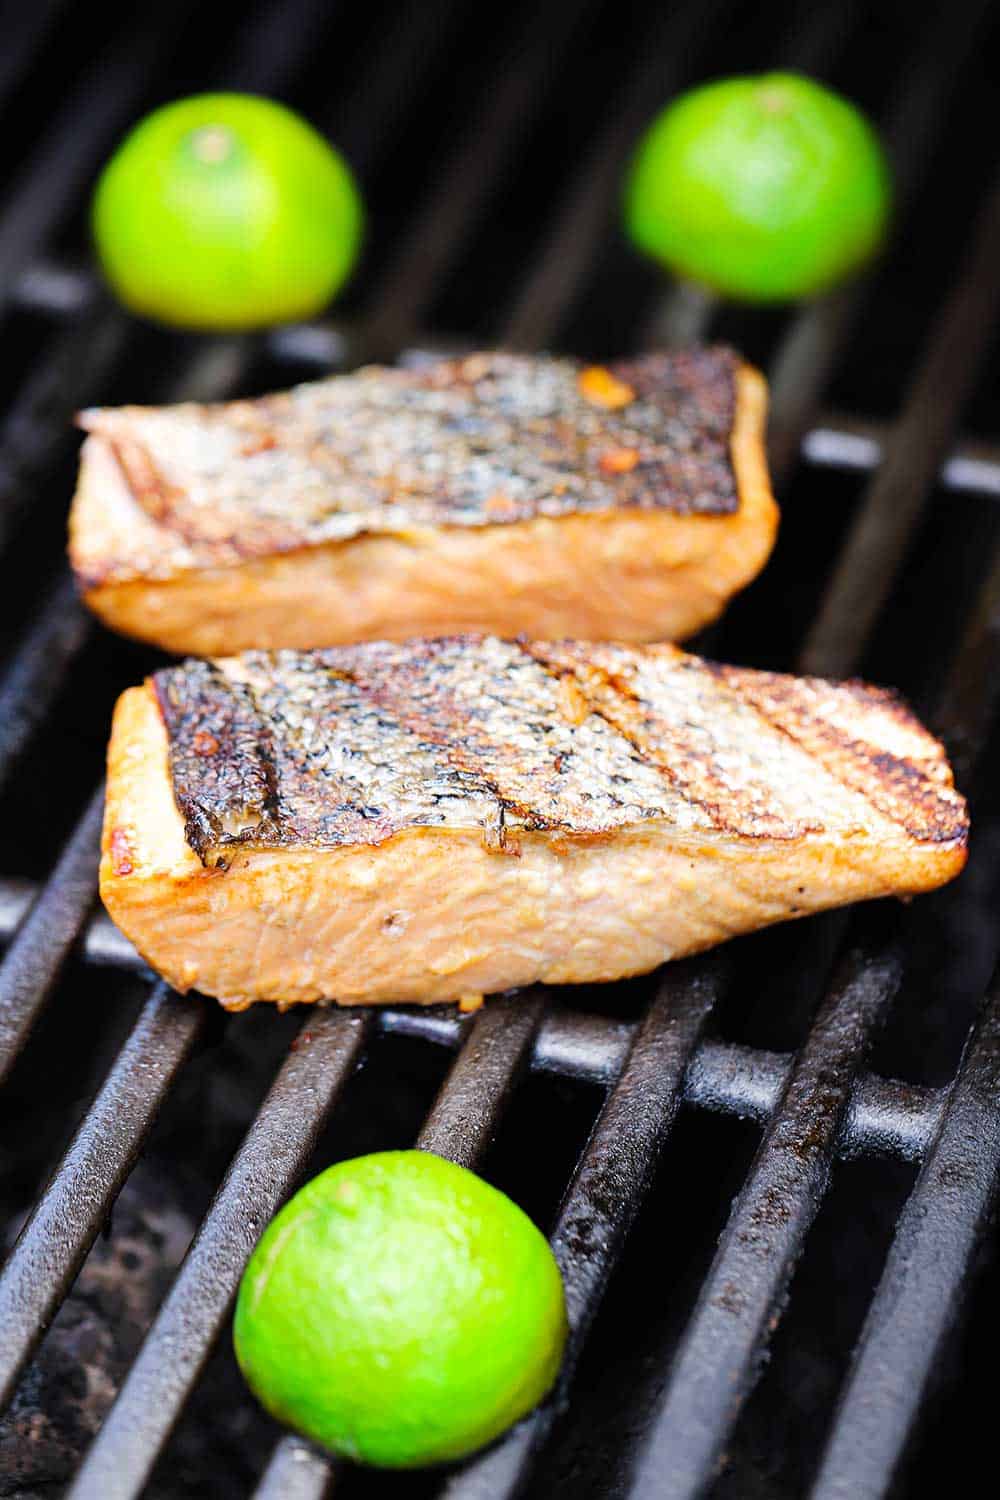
(226, 212)
(400, 1311)
(763, 188)
(212, 143)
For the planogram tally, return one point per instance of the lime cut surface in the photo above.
(764, 189)
(226, 211)
(400, 1311)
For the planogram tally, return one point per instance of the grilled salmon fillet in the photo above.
(444, 818)
(496, 492)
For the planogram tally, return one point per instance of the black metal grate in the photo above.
(451, 129)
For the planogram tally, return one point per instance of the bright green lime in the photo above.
(226, 211)
(763, 189)
(400, 1311)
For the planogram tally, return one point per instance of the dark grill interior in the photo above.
(804, 1129)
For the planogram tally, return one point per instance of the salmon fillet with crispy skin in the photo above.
(446, 818)
(496, 492)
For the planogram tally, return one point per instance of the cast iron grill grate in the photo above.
(816, 1102)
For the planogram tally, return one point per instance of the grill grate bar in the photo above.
(816, 337)
(711, 1376)
(273, 45)
(884, 1117)
(842, 442)
(466, 1113)
(103, 943)
(57, 635)
(923, 1281)
(460, 1126)
(684, 315)
(366, 117)
(451, 210)
(837, 441)
(584, 1047)
(569, 249)
(718, 1357)
(37, 424)
(23, 40)
(212, 375)
(42, 944)
(45, 286)
(65, 378)
(604, 1195)
(54, 1242)
(890, 512)
(106, 95)
(272, 1157)
(972, 693)
(296, 1472)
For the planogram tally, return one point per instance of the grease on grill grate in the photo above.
(762, 1074)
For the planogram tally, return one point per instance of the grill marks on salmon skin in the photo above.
(703, 740)
(352, 744)
(484, 440)
(768, 755)
(359, 742)
(500, 715)
(867, 739)
(221, 756)
(342, 769)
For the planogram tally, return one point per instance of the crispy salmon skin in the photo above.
(499, 492)
(445, 818)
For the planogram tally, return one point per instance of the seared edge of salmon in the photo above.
(630, 574)
(509, 851)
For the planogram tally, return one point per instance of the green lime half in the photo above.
(400, 1311)
(763, 189)
(226, 211)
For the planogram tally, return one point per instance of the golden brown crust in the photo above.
(637, 571)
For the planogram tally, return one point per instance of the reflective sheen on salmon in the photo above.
(444, 818)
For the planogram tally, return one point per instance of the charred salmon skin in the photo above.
(444, 818)
(496, 492)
